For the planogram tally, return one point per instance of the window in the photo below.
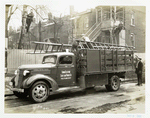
(99, 15)
(49, 59)
(132, 19)
(106, 13)
(133, 39)
(86, 22)
(65, 60)
(78, 23)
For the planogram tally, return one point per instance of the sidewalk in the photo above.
(7, 91)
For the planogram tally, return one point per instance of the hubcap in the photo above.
(39, 92)
(115, 83)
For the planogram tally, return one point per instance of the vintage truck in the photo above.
(88, 64)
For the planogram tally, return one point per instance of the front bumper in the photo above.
(15, 89)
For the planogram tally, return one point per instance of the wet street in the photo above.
(128, 99)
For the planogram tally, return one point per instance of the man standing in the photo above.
(138, 71)
(29, 19)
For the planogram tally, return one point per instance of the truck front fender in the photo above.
(27, 83)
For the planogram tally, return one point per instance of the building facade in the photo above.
(123, 25)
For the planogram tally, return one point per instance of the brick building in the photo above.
(124, 25)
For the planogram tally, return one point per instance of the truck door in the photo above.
(66, 71)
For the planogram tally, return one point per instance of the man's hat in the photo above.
(138, 57)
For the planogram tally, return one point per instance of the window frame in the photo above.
(43, 61)
(132, 18)
(132, 38)
(86, 22)
(65, 56)
(99, 15)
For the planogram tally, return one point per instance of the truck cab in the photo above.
(64, 71)
(37, 80)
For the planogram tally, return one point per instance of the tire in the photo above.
(114, 83)
(39, 92)
(108, 87)
(20, 95)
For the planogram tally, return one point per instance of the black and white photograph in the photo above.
(64, 57)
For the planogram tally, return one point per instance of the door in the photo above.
(66, 71)
(99, 15)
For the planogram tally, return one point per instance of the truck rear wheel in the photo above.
(114, 83)
(39, 92)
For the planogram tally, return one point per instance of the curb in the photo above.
(128, 80)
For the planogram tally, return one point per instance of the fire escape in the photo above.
(110, 21)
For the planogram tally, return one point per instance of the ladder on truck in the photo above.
(45, 47)
(101, 46)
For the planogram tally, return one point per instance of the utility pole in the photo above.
(6, 33)
(29, 41)
(39, 25)
(54, 28)
(24, 16)
(6, 18)
(39, 31)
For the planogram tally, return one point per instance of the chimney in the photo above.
(71, 10)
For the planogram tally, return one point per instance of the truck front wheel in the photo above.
(114, 83)
(39, 92)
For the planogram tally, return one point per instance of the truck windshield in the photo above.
(49, 59)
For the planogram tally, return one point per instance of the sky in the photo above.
(58, 7)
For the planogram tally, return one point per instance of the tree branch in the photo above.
(11, 13)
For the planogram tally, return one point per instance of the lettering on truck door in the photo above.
(66, 71)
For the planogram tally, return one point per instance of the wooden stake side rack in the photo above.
(101, 46)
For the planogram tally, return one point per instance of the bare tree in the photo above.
(10, 9)
(58, 23)
(58, 26)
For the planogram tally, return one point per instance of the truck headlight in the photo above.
(15, 72)
(25, 72)
(10, 83)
